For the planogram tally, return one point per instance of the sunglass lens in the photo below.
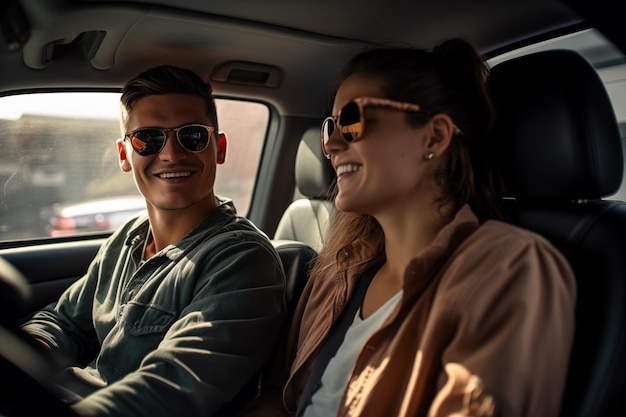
(194, 138)
(147, 141)
(328, 127)
(350, 122)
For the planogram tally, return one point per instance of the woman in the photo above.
(465, 315)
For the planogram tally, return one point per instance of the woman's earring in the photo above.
(430, 155)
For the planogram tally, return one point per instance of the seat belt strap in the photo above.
(335, 340)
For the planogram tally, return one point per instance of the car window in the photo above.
(609, 62)
(59, 173)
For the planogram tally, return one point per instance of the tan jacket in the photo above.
(485, 327)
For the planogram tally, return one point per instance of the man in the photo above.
(179, 309)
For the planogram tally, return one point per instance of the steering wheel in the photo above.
(25, 371)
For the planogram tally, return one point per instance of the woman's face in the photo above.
(387, 166)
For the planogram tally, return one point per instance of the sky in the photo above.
(101, 105)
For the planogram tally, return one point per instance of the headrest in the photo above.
(555, 135)
(314, 173)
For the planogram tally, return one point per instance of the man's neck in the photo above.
(170, 226)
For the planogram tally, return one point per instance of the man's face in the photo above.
(174, 178)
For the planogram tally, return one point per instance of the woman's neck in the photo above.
(407, 236)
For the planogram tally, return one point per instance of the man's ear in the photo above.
(222, 143)
(441, 129)
(123, 156)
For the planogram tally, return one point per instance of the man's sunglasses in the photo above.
(351, 120)
(151, 140)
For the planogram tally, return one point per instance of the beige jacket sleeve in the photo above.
(514, 315)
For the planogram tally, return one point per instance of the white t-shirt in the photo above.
(325, 401)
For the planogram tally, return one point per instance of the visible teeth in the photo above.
(347, 168)
(175, 174)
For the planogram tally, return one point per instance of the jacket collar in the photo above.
(222, 215)
(355, 257)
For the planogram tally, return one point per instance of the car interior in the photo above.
(558, 82)
(307, 218)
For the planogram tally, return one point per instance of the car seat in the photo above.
(297, 259)
(557, 145)
(306, 219)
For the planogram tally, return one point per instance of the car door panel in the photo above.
(51, 268)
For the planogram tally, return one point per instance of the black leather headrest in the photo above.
(314, 173)
(556, 135)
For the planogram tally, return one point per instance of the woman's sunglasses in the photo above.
(151, 140)
(351, 121)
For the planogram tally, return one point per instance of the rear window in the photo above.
(59, 173)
